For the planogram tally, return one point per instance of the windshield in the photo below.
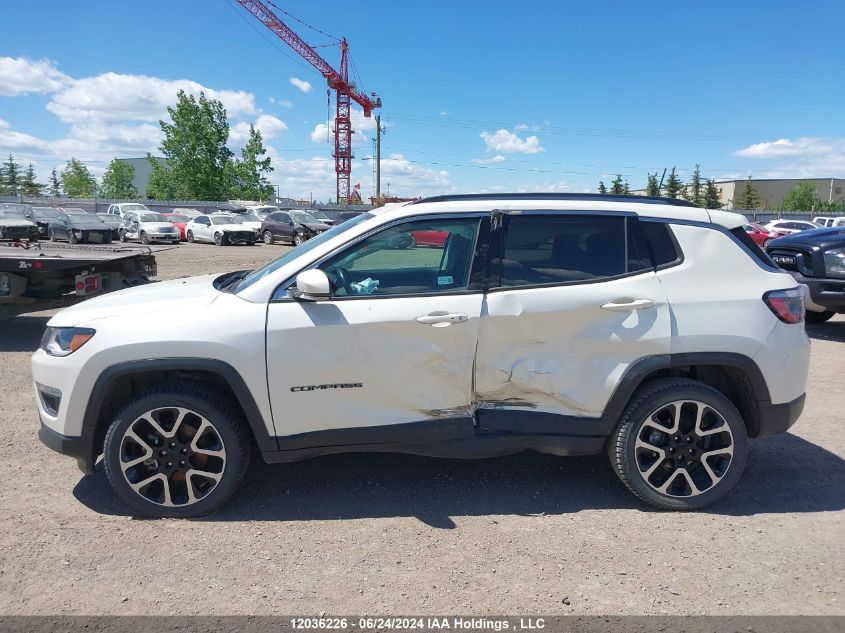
(134, 207)
(45, 212)
(178, 218)
(11, 213)
(320, 215)
(153, 217)
(81, 214)
(262, 211)
(274, 265)
(303, 218)
(223, 219)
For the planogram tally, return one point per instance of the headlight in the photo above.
(62, 341)
(77, 232)
(834, 263)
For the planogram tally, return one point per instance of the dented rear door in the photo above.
(575, 302)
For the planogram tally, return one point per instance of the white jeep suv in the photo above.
(458, 326)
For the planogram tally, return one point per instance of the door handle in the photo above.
(625, 305)
(442, 318)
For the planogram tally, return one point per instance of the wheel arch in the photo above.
(124, 380)
(734, 375)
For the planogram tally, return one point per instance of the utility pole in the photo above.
(378, 159)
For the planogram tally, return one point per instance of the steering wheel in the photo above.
(344, 279)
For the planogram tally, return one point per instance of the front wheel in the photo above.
(121, 235)
(190, 236)
(219, 239)
(298, 239)
(145, 239)
(176, 451)
(71, 238)
(52, 235)
(815, 318)
(680, 445)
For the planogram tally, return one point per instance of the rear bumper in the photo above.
(82, 448)
(778, 418)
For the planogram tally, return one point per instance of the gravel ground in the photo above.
(388, 534)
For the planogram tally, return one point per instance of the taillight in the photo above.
(787, 305)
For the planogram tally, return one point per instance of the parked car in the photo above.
(42, 217)
(817, 261)
(262, 211)
(188, 212)
(148, 227)
(293, 227)
(344, 216)
(823, 220)
(320, 216)
(790, 226)
(247, 220)
(14, 224)
(76, 226)
(538, 326)
(436, 239)
(220, 229)
(122, 208)
(114, 222)
(760, 234)
(179, 221)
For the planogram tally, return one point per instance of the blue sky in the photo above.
(478, 96)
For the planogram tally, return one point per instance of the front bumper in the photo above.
(82, 448)
(826, 293)
(164, 237)
(778, 418)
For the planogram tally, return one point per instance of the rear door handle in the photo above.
(628, 305)
(442, 318)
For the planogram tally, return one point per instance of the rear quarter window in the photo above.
(660, 243)
(755, 251)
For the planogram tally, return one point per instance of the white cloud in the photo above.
(510, 143)
(267, 124)
(444, 113)
(524, 127)
(19, 76)
(283, 103)
(804, 146)
(362, 127)
(18, 141)
(116, 97)
(304, 86)
(498, 158)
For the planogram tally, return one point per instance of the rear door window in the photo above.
(554, 249)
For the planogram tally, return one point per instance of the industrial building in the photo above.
(143, 169)
(772, 190)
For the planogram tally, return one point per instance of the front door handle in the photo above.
(627, 305)
(442, 318)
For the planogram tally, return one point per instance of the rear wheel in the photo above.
(818, 317)
(176, 451)
(680, 444)
(268, 237)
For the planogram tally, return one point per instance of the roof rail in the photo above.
(597, 197)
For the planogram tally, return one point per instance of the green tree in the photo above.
(117, 181)
(802, 197)
(55, 187)
(195, 148)
(694, 191)
(712, 199)
(77, 181)
(673, 185)
(11, 177)
(749, 199)
(652, 189)
(616, 187)
(602, 187)
(251, 171)
(29, 185)
(626, 189)
(162, 183)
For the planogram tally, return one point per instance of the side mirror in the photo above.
(312, 285)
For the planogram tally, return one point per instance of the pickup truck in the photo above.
(816, 259)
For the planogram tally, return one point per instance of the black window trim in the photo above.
(480, 240)
(680, 258)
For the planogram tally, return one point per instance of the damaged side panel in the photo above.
(556, 350)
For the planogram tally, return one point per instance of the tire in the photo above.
(121, 235)
(219, 239)
(190, 236)
(687, 481)
(145, 239)
(766, 243)
(815, 318)
(181, 411)
(71, 238)
(268, 237)
(298, 239)
(52, 235)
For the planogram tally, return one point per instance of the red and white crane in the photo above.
(338, 80)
